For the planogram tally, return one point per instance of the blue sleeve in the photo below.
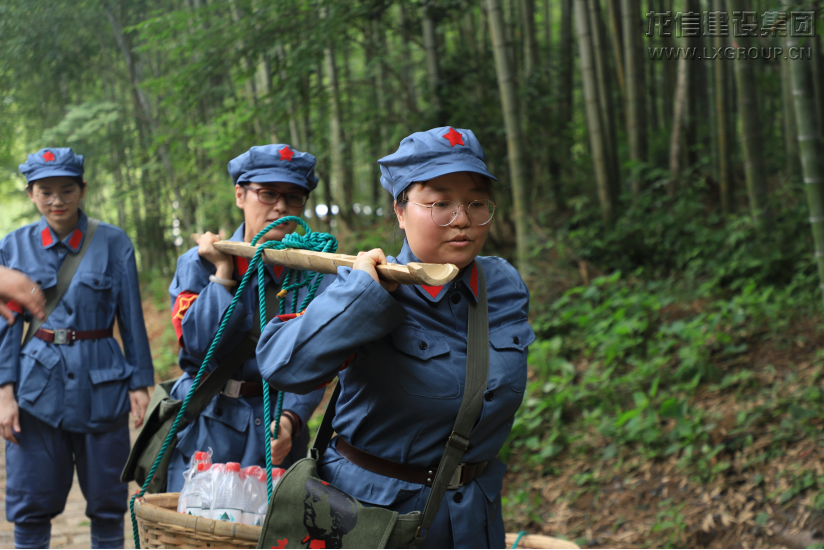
(203, 316)
(10, 336)
(301, 354)
(131, 325)
(303, 405)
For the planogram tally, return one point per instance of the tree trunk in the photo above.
(341, 189)
(617, 34)
(816, 61)
(599, 55)
(722, 124)
(810, 145)
(251, 89)
(548, 29)
(679, 106)
(430, 46)
(790, 128)
(636, 91)
(406, 56)
(564, 113)
(514, 138)
(750, 124)
(530, 40)
(596, 133)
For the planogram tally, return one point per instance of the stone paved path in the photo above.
(71, 528)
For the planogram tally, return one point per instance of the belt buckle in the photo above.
(61, 336)
(232, 389)
(455, 482)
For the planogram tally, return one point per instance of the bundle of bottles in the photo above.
(225, 492)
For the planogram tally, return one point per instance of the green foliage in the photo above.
(618, 361)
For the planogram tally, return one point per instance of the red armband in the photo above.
(14, 306)
(183, 302)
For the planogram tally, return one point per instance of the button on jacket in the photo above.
(401, 393)
(232, 427)
(82, 387)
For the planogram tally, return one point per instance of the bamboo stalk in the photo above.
(809, 144)
(413, 273)
(596, 134)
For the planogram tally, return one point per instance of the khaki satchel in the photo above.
(301, 502)
(163, 410)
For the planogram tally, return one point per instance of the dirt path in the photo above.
(71, 528)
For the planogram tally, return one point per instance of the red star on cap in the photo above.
(455, 138)
(48, 156)
(286, 154)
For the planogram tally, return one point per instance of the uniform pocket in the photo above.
(110, 393)
(93, 288)
(37, 362)
(423, 367)
(511, 341)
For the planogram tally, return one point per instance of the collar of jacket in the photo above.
(276, 272)
(468, 277)
(48, 238)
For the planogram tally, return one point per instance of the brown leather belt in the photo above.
(464, 473)
(69, 336)
(238, 388)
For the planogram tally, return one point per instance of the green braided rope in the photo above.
(318, 242)
(518, 540)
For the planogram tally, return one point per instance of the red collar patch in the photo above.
(242, 266)
(77, 236)
(432, 290)
(46, 237)
(473, 279)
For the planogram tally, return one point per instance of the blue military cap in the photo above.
(274, 163)
(51, 162)
(427, 155)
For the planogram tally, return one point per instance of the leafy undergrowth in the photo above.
(659, 415)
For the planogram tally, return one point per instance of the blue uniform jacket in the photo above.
(401, 393)
(82, 387)
(232, 427)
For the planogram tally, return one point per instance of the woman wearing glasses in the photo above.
(406, 347)
(65, 394)
(271, 182)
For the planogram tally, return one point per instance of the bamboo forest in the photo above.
(660, 189)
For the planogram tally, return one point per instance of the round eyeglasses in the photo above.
(271, 196)
(445, 212)
(67, 196)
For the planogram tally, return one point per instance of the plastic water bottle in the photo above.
(199, 457)
(207, 489)
(253, 491)
(190, 500)
(228, 501)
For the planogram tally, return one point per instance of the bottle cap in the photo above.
(201, 455)
(202, 467)
(232, 467)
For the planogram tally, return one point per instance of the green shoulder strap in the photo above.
(64, 278)
(477, 376)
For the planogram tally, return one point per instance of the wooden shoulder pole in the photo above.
(412, 273)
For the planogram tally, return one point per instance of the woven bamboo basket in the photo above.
(161, 526)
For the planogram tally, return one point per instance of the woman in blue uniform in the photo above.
(402, 390)
(271, 181)
(65, 396)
